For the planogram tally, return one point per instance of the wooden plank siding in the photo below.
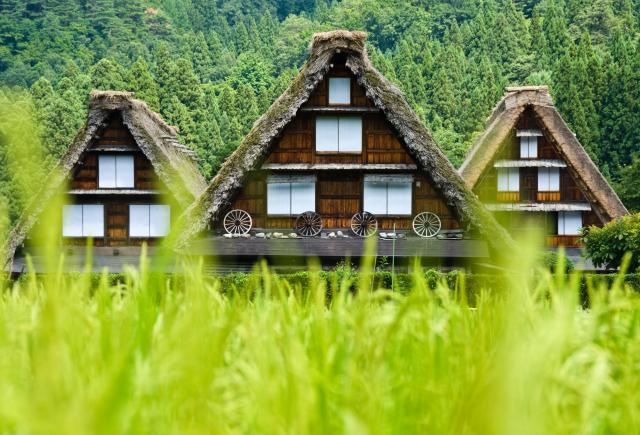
(339, 192)
(519, 222)
(487, 187)
(115, 138)
(338, 197)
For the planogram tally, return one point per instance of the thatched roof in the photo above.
(386, 97)
(174, 163)
(503, 120)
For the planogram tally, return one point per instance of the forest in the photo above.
(212, 67)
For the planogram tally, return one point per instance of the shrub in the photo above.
(551, 261)
(607, 246)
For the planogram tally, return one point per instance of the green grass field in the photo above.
(185, 356)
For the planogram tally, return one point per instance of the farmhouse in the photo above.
(532, 172)
(123, 182)
(339, 157)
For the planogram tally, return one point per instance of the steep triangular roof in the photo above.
(387, 97)
(174, 164)
(504, 119)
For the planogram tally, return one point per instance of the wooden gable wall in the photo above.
(115, 138)
(339, 193)
(486, 188)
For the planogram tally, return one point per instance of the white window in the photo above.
(388, 194)
(290, 195)
(569, 223)
(508, 180)
(83, 220)
(115, 171)
(339, 90)
(529, 147)
(341, 134)
(548, 179)
(149, 220)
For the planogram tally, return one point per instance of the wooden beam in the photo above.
(339, 166)
(340, 109)
(114, 192)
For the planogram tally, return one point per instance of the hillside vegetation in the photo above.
(212, 67)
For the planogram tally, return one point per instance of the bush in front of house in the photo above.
(607, 246)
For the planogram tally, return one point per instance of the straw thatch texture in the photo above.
(386, 97)
(174, 164)
(503, 121)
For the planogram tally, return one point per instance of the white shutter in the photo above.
(375, 197)
(303, 197)
(399, 198)
(350, 134)
(554, 179)
(139, 220)
(124, 171)
(159, 220)
(72, 221)
(533, 147)
(326, 133)
(339, 90)
(543, 179)
(106, 171)
(524, 147)
(503, 180)
(514, 179)
(569, 223)
(93, 220)
(278, 198)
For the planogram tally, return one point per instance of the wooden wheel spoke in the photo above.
(364, 224)
(426, 224)
(237, 222)
(308, 224)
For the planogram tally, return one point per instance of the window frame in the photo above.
(562, 221)
(149, 214)
(116, 157)
(388, 179)
(528, 140)
(291, 180)
(341, 78)
(337, 149)
(82, 226)
(548, 186)
(509, 174)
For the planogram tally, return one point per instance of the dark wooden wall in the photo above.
(338, 198)
(339, 193)
(115, 138)
(380, 144)
(487, 187)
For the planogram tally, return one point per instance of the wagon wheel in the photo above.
(237, 222)
(364, 224)
(308, 224)
(426, 224)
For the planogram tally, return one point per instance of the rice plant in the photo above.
(161, 355)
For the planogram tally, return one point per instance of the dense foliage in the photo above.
(152, 355)
(212, 67)
(608, 245)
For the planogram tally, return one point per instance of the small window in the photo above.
(290, 195)
(339, 134)
(548, 179)
(115, 171)
(388, 195)
(569, 223)
(508, 180)
(83, 220)
(529, 147)
(339, 90)
(149, 220)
